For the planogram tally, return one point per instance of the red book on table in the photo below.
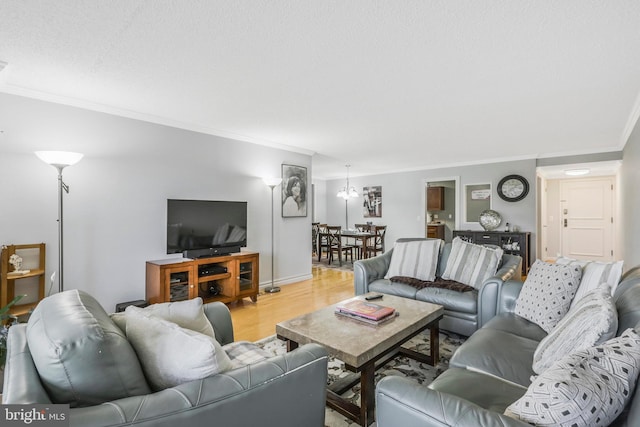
(365, 309)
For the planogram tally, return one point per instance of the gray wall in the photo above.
(403, 198)
(630, 180)
(115, 214)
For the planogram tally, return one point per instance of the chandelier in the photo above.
(347, 191)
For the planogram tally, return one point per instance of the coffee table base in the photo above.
(365, 413)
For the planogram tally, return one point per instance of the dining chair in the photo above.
(323, 241)
(334, 235)
(378, 240)
(361, 244)
(315, 230)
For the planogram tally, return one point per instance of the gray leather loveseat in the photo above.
(464, 312)
(491, 370)
(287, 390)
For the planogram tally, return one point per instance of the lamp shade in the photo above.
(272, 181)
(59, 158)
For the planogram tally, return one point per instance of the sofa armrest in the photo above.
(367, 270)
(220, 318)
(266, 388)
(21, 380)
(489, 293)
(402, 402)
(508, 296)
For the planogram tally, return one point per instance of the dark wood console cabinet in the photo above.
(511, 242)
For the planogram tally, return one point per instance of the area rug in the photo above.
(402, 366)
(324, 264)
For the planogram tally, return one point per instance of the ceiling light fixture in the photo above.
(347, 191)
(576, 172)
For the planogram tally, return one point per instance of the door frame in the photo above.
(542, 209)
(458, 211)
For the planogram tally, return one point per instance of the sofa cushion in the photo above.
(187, 314)
(497, 353)
(82, 357)
(514, 324)
(466, 302)
(471, 264)
(591, 321)
(587, 388)
(547, 293)
(172, 355)
(417, 259)
(494, 395)
(385, 286)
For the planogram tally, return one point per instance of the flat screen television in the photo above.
(205, 224)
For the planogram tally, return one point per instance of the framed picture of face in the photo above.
(294, 191)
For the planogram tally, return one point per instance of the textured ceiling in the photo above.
(382, 85)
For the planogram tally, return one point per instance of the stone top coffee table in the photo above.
(360, 345)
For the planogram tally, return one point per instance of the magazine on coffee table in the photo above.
(365, 309)
(365, 320)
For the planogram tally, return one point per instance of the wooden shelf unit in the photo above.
(10, 283)
(179, 279)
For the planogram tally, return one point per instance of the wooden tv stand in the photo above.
(179, 279)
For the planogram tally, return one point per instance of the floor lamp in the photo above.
(272, 183)
(60, 160)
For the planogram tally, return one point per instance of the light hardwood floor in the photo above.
(254, 321)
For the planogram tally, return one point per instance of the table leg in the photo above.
(367, 395)
(435, 344)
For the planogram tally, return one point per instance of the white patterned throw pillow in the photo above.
(547, 293)
(589, 388)
(417, 259)
(591, 321)
(471, 264)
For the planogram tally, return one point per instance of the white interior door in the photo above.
(587, 218)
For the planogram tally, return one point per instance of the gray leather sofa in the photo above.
(286, 390)
(464, 312)
(504, 347)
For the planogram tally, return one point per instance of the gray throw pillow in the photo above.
(547, 293)
(591, 321)
(589, 388)
(187, 314)
(171, 355)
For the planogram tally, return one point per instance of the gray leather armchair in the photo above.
(287, 390)
(464, 312)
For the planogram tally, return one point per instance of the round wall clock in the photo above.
(513, 188)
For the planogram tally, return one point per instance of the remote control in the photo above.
(372, 297)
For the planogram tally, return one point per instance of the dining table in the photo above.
(363, 237)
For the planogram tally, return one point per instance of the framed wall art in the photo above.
(294, 191)
(372, 205)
